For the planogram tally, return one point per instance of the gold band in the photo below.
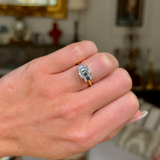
(90, 83)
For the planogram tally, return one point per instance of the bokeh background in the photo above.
(128, 29)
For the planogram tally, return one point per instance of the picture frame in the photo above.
(58, 11)
(129, 12)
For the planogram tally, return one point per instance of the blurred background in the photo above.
(128, 29)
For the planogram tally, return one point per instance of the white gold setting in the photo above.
(84, 72)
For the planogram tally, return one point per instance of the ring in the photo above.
(84, 73)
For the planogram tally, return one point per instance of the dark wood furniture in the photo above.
(14, 55)
(152, 96)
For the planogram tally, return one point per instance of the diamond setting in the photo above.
(84, 72)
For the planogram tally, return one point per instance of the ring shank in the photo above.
(90, 83)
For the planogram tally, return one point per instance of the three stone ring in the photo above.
(84, 73)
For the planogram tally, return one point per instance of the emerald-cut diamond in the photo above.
(84, 72)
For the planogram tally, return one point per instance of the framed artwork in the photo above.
(129, 12)
(43, 8)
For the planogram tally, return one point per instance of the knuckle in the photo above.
(83, 137)
(32, 70)
(31, 67)
(104, 61)
(77, 50)
(124, 78)
(82, 141)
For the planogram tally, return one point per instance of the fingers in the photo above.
(107, 90)
(68, 57)
(115, 132)
(135, 119)
(100, 65)
(106, 120)
(138, 113)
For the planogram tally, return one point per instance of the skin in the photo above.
(48, 111)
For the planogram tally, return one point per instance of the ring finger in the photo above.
(100, 65)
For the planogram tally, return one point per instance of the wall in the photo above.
(98, 24)
(154, 38)
(102, 30)
(43, 25)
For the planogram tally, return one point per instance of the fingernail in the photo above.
(143, 114)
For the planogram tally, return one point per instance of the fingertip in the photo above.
(138, 113)
(133, 120)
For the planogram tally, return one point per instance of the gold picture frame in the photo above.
(58, 11)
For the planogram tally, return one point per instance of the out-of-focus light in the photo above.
(52, 2)
(29, 2)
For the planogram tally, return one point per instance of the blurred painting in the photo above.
(129, 12)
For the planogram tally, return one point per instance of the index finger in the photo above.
(68, 56)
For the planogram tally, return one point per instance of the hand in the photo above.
(48, 111)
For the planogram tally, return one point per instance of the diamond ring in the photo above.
(84, 73)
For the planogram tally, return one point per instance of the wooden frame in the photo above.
(58, 11)
(124, 17)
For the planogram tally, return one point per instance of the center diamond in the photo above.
(84, 72)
